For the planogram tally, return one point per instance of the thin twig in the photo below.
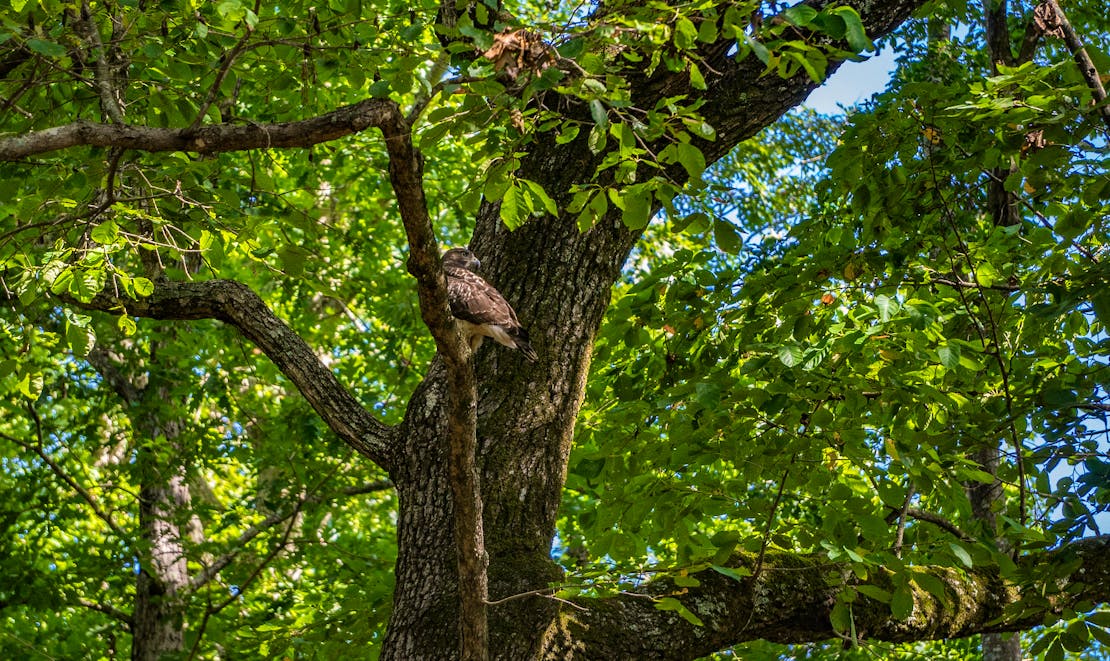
(213, 91)
(899, 536)
(37, 448)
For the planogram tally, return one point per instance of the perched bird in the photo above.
(481, 310)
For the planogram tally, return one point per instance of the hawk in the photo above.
(481, 310)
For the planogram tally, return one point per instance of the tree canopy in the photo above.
(837, 382)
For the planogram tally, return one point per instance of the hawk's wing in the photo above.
(479, 304)
(477, 301)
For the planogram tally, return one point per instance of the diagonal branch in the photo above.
(1057, 23)
(107, 609)
(238, 305)
(229, 60)
(59, 472)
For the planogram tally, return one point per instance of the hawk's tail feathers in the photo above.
(524, 345)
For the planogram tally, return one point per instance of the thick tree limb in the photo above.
(236, 304)
(205, 139)
(793, 600)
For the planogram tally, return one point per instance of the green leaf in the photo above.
(841, 617)
(961, 554)
(727, 238)
(672, 604)
(901, 603)
(685, 34)
(47, 48)
(1055, 651)
(105, 233)
(949, 355)
(143, 287)
(1075, 638)
(62, 281)
(513, 207)
(707, 31)
(738, 574)
(691, 159)
(855, 34)
(1100, 634)
(758, 48)
(800, 15)
(599, 114)
(30, 386)
(596, 141)
(80, 339)
(790, 354)
(697, 81)
(538, 193)
(703, 130)
(567, 134)
(886, 306)
(686, 581)
(637, 207)
(1100, 301)
(380, 89)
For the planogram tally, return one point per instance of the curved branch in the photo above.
(205, 139)
(793, 602)
(238, 305)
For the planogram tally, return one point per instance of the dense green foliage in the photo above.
(811, 348)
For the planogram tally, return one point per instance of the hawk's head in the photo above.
(461, 258)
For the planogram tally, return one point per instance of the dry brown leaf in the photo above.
(515, 51)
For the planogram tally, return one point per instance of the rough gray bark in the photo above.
(158, 621)
(794, 601)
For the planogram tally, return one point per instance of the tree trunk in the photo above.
(526, 415)
(159, 617)
(159, 627)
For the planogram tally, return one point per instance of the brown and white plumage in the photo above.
(481, 310)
